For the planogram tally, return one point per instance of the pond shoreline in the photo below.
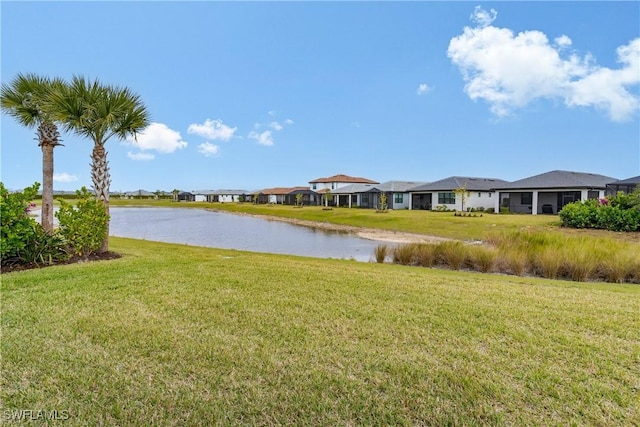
(364, 233)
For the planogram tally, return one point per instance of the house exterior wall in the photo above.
(228, 198)
(403, 200)
(319, 186)
(477, 199)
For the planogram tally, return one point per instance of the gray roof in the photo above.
(356, 188)
(632, 180)
(399, 186)
(560, 179)
(203, 192)
(453, 182)
(230, 192)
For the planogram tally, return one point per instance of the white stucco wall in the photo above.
(406, 201)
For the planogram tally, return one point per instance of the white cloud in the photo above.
(140, 156)
(510, 71)
(64, 177)
(208, 149)
(482, 17)
(264, 138)
(158, 137)
(213, 129)
(288, 122)
(423, 88)
(275, 125)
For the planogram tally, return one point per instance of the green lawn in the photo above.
(179, 335)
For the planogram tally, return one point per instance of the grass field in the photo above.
(179, 335)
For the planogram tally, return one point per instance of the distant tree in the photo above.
(299, 199)
(328, 198)
(99, 112)
(25, 99)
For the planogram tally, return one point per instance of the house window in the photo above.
(526, 198)
(333, 185)
(593, 194)
(479, 194)
(447, 198)
(398, 198)
(489, 194)
(314, 186)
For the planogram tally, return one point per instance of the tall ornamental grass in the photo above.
(544, 254)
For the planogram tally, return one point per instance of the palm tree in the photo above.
(100, 112)
(25, 99)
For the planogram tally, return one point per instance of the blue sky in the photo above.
(250, 95)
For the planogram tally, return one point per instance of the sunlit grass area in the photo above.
(546, 254)
(179, 335)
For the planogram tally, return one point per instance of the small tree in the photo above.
(328, 198)
(463, 193)
(299, 199)
(383, 202)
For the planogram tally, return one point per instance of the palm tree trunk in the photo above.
(101, 183)
(47, 188)
(49, 138)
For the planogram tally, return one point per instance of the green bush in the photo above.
(615, 213)
(85, 226)
(22, 239)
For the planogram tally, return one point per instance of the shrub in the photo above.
(425, 254)
(452, 254)
(482, 258)
(616, 213)
(548, 262)
(22, 239)
(403, 254)
(44, 248)
(381, 252)
(16, 226)
(85, 226)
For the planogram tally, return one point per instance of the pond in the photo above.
(200, 227)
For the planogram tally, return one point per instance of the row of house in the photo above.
(545, 193)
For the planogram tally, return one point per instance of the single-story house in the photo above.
(479, 193)
(287, 195)
(625, 185)
(549, 192)
(361, 195)
(185, 196)
(397, 192)
(203, 195)
(139, 194)
(229, 196)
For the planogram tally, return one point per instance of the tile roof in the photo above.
(344, 178)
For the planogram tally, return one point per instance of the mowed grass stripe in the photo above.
(176, 335)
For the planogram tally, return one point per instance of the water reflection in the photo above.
(200, 227)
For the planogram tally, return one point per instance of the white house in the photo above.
(479, 193)
(549, 192)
